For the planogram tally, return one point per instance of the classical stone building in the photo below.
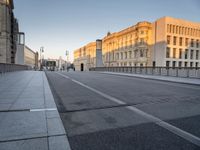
(85, 57)
(166, 42)
(8, 32)
(129, 47)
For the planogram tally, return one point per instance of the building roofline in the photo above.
(30, 49)
(179, 19)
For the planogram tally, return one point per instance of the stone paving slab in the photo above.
(22, 125)
(192, 81)
(59, 141)
(28, 115)
(30, 144)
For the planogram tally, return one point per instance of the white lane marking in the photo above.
(45, 109)
(100, 93)
(187, 136)
(63, 75)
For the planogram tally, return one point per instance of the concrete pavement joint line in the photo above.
(48, 140)
(16, 110)
(39, 137)
(187, 136)
(46, 109)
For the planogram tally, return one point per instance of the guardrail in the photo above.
(189, 72)
(12, 67)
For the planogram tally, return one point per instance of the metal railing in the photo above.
(189, 72)
(4, 67)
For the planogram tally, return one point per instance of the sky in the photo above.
(60, 25)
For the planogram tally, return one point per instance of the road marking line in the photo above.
(45, 109)
(187, 136)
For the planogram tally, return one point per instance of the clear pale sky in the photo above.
(61, 25)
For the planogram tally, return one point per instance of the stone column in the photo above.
(99, 62)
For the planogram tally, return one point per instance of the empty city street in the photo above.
(110, 112)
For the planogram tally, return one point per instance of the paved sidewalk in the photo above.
(28, 115)
(192, 81)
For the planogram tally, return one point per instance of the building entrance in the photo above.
(82, 67)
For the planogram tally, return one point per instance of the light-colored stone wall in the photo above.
(146, 44)
(29, 56)
(85, 55)
(129, 47)
(184, 37)
(26, 56)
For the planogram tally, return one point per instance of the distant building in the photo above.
(85, 57)
(166, 42)
(25, 55)
(56, 64)
(8, 32)
(176, 43)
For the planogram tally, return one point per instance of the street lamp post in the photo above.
(67, 55)
(41, 51)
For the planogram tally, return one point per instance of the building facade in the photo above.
(129, 47)
(25, 55)
(167, 42)
(176, 43)
(8, 32)
(56, 64)
(85, 57)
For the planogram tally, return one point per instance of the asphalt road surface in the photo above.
(110, 112)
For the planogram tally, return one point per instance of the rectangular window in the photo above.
(174, 52)
(197, 43)
(167, 63)
(117, 56)
(180, 41)
(125, 55)
(186, 64)
(135, 53)
(192, 42)
(130, 54)
(196, 64)
(168, 39)
(141, 40)
(174, 40)
(174, 64)
(141, 53)
(186, 41)
(121, 55)
(154, 63)
(191, 64)
(180, 64)
(168, 52)
(168, 28)
(176, 29)
(180, 53)
(186, 54)
(197, 54)
(191, 54)
(173, 29)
